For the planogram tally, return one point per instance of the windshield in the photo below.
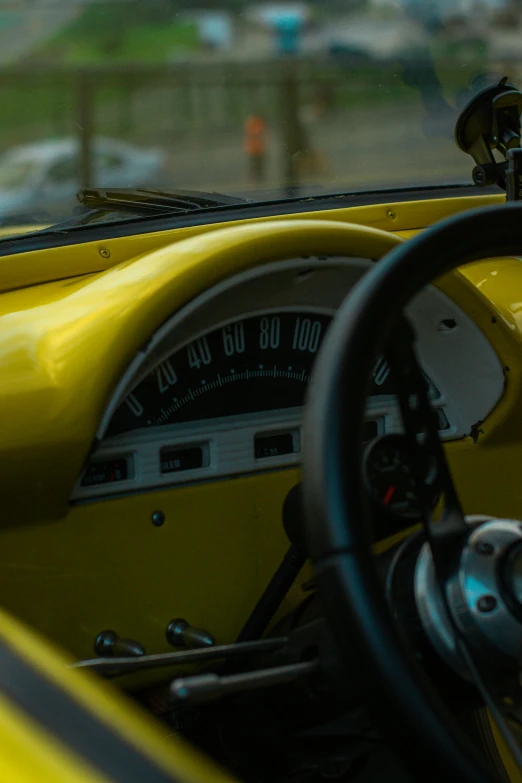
(16, 173)
(260, 100)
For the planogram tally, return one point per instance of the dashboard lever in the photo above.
(287, 572)
(293, 520)
(113, 667)
(208, 687)
(108, 643)
(181, 634)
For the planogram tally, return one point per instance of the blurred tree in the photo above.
(108, 21)
(211, 5)
(102, 12)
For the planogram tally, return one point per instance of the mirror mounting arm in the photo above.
(491, 121)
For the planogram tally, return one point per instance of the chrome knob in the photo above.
(181, 634)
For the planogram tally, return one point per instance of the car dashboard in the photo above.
(152, 412)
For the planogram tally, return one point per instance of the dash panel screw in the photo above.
(487, 603)
(158, 518)
(104, 252)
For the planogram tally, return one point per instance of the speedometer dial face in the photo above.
(256, 364)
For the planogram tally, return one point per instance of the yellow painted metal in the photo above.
(61, 359)
(105, 566)
(29, 753)
(510, 765)
(61, 262)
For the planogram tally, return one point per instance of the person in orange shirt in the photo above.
(255, 146)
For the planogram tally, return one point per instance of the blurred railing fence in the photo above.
(199, 104)
(174, 104)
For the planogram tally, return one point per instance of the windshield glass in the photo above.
(16, 173)
(261, 100)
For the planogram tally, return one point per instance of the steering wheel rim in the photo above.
(338, 520)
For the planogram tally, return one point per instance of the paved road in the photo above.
(25, 25)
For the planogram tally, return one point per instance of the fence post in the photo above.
(126, 118)
(84, 122)
(292, 132)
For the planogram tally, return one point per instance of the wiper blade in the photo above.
(144, 201)
(117, 204)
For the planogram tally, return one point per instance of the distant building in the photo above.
(287, 21)
(215, 28)
(272, 14)
(441, 9)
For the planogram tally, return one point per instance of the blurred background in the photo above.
(260, 99)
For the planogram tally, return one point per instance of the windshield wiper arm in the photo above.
(144, 201)
(110, 204)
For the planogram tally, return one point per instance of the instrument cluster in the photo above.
(219, 391)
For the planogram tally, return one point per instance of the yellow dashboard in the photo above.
(142, 480)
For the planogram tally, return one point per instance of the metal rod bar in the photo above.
(118, 666)
(207, 687)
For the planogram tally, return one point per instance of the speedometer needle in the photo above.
(388, 496)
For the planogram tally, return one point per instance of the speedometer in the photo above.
(259, 363)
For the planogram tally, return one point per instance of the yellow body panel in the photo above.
(510, 765)
(62, 359)
(61, 262)
(106, 565)
(28, 754)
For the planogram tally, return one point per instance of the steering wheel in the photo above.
(460, 580)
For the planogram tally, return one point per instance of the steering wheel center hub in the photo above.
(483, 595)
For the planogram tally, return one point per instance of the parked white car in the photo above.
(46, 175)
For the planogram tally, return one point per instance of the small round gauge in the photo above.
(390, 477)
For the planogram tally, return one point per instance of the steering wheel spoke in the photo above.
(422, 430)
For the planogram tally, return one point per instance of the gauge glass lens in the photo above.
(259, 363)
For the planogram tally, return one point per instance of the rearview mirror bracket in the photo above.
(489, 122)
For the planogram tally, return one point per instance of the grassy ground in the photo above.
(105, 35)
(33, 110)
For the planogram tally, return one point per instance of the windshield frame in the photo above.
(50, 236)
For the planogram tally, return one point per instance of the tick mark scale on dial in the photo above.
(246, 366)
